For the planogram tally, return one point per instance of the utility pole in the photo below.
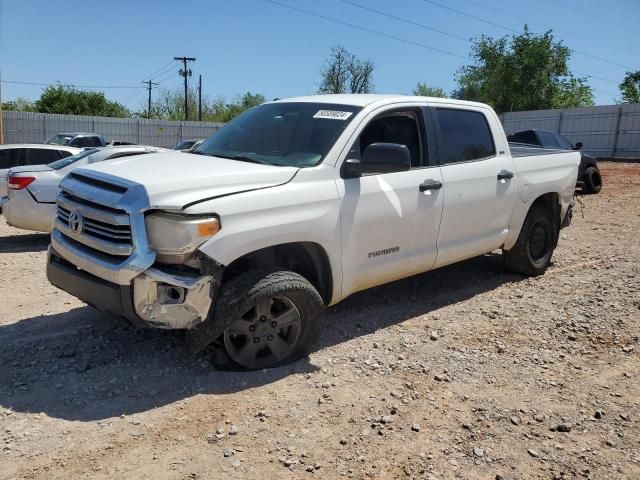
(185, 72)
(150, 85)
(199, 98)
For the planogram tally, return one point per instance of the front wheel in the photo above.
(272, 319)
(532, 252)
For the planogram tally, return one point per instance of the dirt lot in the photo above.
(465, 372)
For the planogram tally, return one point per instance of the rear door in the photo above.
(479, 187)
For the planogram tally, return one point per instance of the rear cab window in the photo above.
(563, 142)
(465, 135)
(528, 137)
(548, 140)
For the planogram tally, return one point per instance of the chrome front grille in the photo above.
(101, 229)
(99, 225)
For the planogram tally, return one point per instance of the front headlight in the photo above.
(175, 237)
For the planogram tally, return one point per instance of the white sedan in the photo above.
(32, 190)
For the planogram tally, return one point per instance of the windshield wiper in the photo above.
(241, 158)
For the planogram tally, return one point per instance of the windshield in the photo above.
(286, 134)
(63, 162)
(59, 140)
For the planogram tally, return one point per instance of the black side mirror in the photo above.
(379, 158)
(578, 146)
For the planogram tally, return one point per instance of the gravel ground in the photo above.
(465, 372)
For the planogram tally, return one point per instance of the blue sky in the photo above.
(254, 45)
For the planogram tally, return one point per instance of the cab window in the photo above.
(401, 127)
(466, 135)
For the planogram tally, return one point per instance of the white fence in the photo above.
(607, 131)
(28, 127)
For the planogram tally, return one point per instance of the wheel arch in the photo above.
(308, 259)
(550, 201)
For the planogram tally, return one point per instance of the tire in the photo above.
(532, 252)
(271, 318)
(592, 180)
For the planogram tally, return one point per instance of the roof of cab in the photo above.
(365, 99)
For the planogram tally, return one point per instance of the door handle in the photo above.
(505, 175)
(430, 185)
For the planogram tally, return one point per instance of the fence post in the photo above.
(560, 121)
(44, 127)
(615, 139)
(138, 131)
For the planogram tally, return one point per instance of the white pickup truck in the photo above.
(295, 205)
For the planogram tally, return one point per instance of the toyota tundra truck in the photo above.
(295, 205)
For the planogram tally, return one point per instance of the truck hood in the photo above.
(176, 180)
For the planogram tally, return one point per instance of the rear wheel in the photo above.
(532, 252)
(273, 319)
(592, 180)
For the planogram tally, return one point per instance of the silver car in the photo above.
(21, 154)
(32, 190)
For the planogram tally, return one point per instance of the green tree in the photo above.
(630, 87)
(424, 90)
(70, 100)
(20, 104)
(343, 72)
(169, 105)
(524, 72)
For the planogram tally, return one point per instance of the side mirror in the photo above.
(379, 158)
(578, 146)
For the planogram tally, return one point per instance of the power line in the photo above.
(546, 25)
(134, 94)
(489, 22)
(70, 84)
(593, 14)
(410, 22)
(365, 29)
(405, 20)
(161, 69)
(169, 75)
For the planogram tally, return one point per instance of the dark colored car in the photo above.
(589, 178)
(187, 145)
(78, 139)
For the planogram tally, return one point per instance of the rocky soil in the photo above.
(466, 372)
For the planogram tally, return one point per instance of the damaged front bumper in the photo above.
(155, 298)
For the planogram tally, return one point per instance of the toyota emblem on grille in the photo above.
(75, 222)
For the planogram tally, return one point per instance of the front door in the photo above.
(389, 223)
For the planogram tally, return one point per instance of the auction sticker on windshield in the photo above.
(332, 114)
